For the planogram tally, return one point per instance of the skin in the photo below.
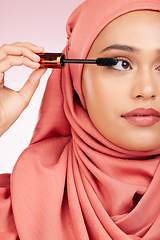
(13, 103)
(109, 93)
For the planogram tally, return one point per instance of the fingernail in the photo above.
(36, 57)
(37, 65)
(40, 47)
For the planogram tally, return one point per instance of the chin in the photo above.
(143, 146)
(139, 140)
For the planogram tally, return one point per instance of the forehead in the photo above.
(131, 28)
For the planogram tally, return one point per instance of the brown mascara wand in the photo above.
(58, 60)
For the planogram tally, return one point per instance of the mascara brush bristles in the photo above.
(109, 62)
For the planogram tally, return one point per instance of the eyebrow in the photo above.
(120, 47)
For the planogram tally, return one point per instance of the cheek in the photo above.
(94, 90)
(101, 90)
(102, 97)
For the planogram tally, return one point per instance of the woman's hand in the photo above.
(13, 103)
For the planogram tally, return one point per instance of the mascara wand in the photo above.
(58, 60)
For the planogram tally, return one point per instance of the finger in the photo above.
(17, 50)
(2, 78)
(31, 46)
(11, 61)
(31, 85)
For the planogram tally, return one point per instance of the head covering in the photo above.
(72, 183)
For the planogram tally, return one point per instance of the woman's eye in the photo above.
(158, 68)
(122, 65)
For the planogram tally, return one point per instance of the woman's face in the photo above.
(123, 101)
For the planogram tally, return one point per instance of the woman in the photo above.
(92, 168)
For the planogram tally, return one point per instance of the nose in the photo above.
(145, 86)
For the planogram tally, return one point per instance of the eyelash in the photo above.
(158, 68)
(121, 59)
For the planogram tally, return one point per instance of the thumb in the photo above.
(30, 86)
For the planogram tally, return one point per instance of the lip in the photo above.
(142, 117)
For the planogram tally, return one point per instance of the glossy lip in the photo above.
(142, 117)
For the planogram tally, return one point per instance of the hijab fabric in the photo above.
(71, 183)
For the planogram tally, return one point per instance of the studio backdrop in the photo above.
(41, 23)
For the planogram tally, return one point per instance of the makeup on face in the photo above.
(126, 96)
(142, 117)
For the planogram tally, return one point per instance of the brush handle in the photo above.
(83, 61)
(52, 60)
(58, 60)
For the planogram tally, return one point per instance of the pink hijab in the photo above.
(71, 183)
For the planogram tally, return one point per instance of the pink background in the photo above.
(42, 23)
